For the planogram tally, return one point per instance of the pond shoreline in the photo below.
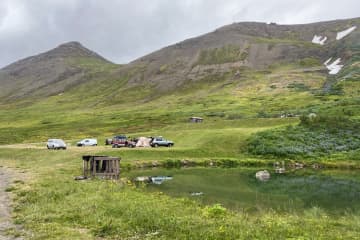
(234, 163)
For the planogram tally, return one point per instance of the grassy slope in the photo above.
(86, 111)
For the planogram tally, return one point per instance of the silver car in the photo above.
(87, 142)
(56, 144)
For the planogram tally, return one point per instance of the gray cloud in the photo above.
(123, 30)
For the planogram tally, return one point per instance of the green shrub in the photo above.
(313, 137)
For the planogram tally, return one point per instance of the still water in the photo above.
(336, 191)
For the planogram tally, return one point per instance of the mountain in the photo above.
(231, 49)
(244, 45)
(48, 73)
(240, 71)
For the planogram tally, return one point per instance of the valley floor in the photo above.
(51, 205)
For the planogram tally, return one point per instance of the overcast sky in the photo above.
(123, 30)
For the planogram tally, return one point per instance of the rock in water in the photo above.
(263, 175)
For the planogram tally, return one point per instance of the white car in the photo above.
(56, 144)
(87, 142)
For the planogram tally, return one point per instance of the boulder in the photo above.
(263, 175)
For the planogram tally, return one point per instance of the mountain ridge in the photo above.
(228, 49)
(290, 43)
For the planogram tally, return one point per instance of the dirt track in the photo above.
(71, 148)
(6, 177)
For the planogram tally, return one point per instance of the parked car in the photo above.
(122, 141)
(56, 144)
(87, 142)
(160, 141)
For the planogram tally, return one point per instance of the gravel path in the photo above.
(5, 210)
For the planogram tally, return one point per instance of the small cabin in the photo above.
(101, 166)
(196, 119)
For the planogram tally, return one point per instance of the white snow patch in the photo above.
(334, 67)
(344, 33)
(327, 61)
(319, 39)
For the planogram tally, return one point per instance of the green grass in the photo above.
(54, 206)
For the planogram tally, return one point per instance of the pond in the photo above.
(336, 191)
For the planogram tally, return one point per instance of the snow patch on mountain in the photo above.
(327, 61)
(319, 39)
(344, 33)
(333, 67)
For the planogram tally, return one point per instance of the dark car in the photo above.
(122, 141)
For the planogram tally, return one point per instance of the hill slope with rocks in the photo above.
(239, 46)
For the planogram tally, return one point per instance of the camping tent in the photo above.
(143, 142)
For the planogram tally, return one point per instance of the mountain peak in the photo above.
(71, 44)
(47, 73)
(66, 50)
(72, 49)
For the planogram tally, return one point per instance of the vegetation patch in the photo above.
(298, 86)
(309, 62)
(314, 137)
(228, 53)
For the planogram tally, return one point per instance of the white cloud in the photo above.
(122, 30)
(13, 18)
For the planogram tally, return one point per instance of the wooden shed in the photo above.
(101, 166)
(196, 119)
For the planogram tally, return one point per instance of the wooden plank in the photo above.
(106, 158)
(84, 168)
(117, 164)
(94, 167)
(110, 166)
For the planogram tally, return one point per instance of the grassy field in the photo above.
(52, 205)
